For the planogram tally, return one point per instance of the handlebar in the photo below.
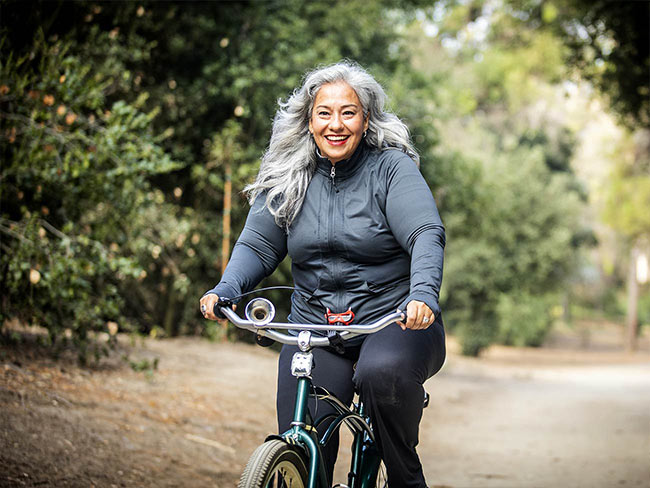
(345, 332)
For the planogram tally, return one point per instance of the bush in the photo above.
(475, 336)
(74, 178)
(510, 237)
(523, 319)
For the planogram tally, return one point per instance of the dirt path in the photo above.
(542, 426)
(515, 418)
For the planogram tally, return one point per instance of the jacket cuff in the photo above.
(223, 290)
(427, 298)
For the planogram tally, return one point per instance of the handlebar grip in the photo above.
(222, 303)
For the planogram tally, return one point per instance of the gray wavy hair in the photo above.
(290, 160)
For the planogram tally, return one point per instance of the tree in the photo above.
(203, 68)
(626, 211)
(608, 43)
(509, 198)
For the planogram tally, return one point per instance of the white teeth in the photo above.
(336, 138)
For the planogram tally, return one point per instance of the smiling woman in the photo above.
(337, 122)
(339, 190)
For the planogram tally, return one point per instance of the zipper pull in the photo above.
(332, 176)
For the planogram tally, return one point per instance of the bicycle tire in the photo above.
(275, 464)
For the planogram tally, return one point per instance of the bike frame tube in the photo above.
(314, 460)
(298, 433)
(364, 465)
(365, 460)
(353, 475)
(300, 409)
(369, 466)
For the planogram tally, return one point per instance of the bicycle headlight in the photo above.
(260, 311)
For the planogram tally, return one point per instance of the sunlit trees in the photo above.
(152, 82)
(627, 200)
(510, 200)
(122, 123)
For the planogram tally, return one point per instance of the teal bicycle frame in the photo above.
(365, 461)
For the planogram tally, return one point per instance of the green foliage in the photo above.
(628, 193)
(509, 199)
(475, 336)
(524, 319)
(74, 175)
(511, 230)
(120, 119)
(606, 43)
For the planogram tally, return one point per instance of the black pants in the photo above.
(391, 366)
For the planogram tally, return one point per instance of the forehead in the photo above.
(336, 94)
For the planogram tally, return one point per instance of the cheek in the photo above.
(358, 128)
(316, 126)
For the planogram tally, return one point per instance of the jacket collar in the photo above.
(345, 167)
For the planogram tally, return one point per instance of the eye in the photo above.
(323, 113)
(349, 113)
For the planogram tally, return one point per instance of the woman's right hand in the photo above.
(207, 303)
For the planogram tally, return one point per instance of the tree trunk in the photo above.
(632, 319)
(170, 324)
(225, 243)
(227, 205)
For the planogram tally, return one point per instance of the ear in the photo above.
(311, 129)
(366, 122)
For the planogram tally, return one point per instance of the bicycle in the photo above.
(293, 458)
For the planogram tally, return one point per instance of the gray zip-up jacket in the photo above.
(368, 237)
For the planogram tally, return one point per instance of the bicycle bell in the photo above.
(260, 311)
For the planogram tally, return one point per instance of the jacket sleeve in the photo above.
(260, 248)
(414, 220)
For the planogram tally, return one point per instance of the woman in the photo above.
(339, 190)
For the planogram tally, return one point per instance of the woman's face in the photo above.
(337, 121)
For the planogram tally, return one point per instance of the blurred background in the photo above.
(129, 129)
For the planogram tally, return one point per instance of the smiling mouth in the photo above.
(337, 140)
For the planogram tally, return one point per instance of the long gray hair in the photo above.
(290, 160)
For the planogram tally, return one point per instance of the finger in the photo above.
(427, 320)
(411, 315)
(421, 314)
(428, 317)
(207, 306)
(417, 319)
(401, 323)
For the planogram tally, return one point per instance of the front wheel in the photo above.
(275, 464)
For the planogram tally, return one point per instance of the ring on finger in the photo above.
(203, 308)
(425, 320)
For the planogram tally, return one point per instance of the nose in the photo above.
(336, 123)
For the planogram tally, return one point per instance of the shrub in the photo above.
(74, 177)
(523, 319)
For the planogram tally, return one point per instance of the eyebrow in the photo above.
(322, 105)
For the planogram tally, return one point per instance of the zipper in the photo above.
(330, 238)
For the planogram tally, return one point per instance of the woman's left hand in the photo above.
(418, 316)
